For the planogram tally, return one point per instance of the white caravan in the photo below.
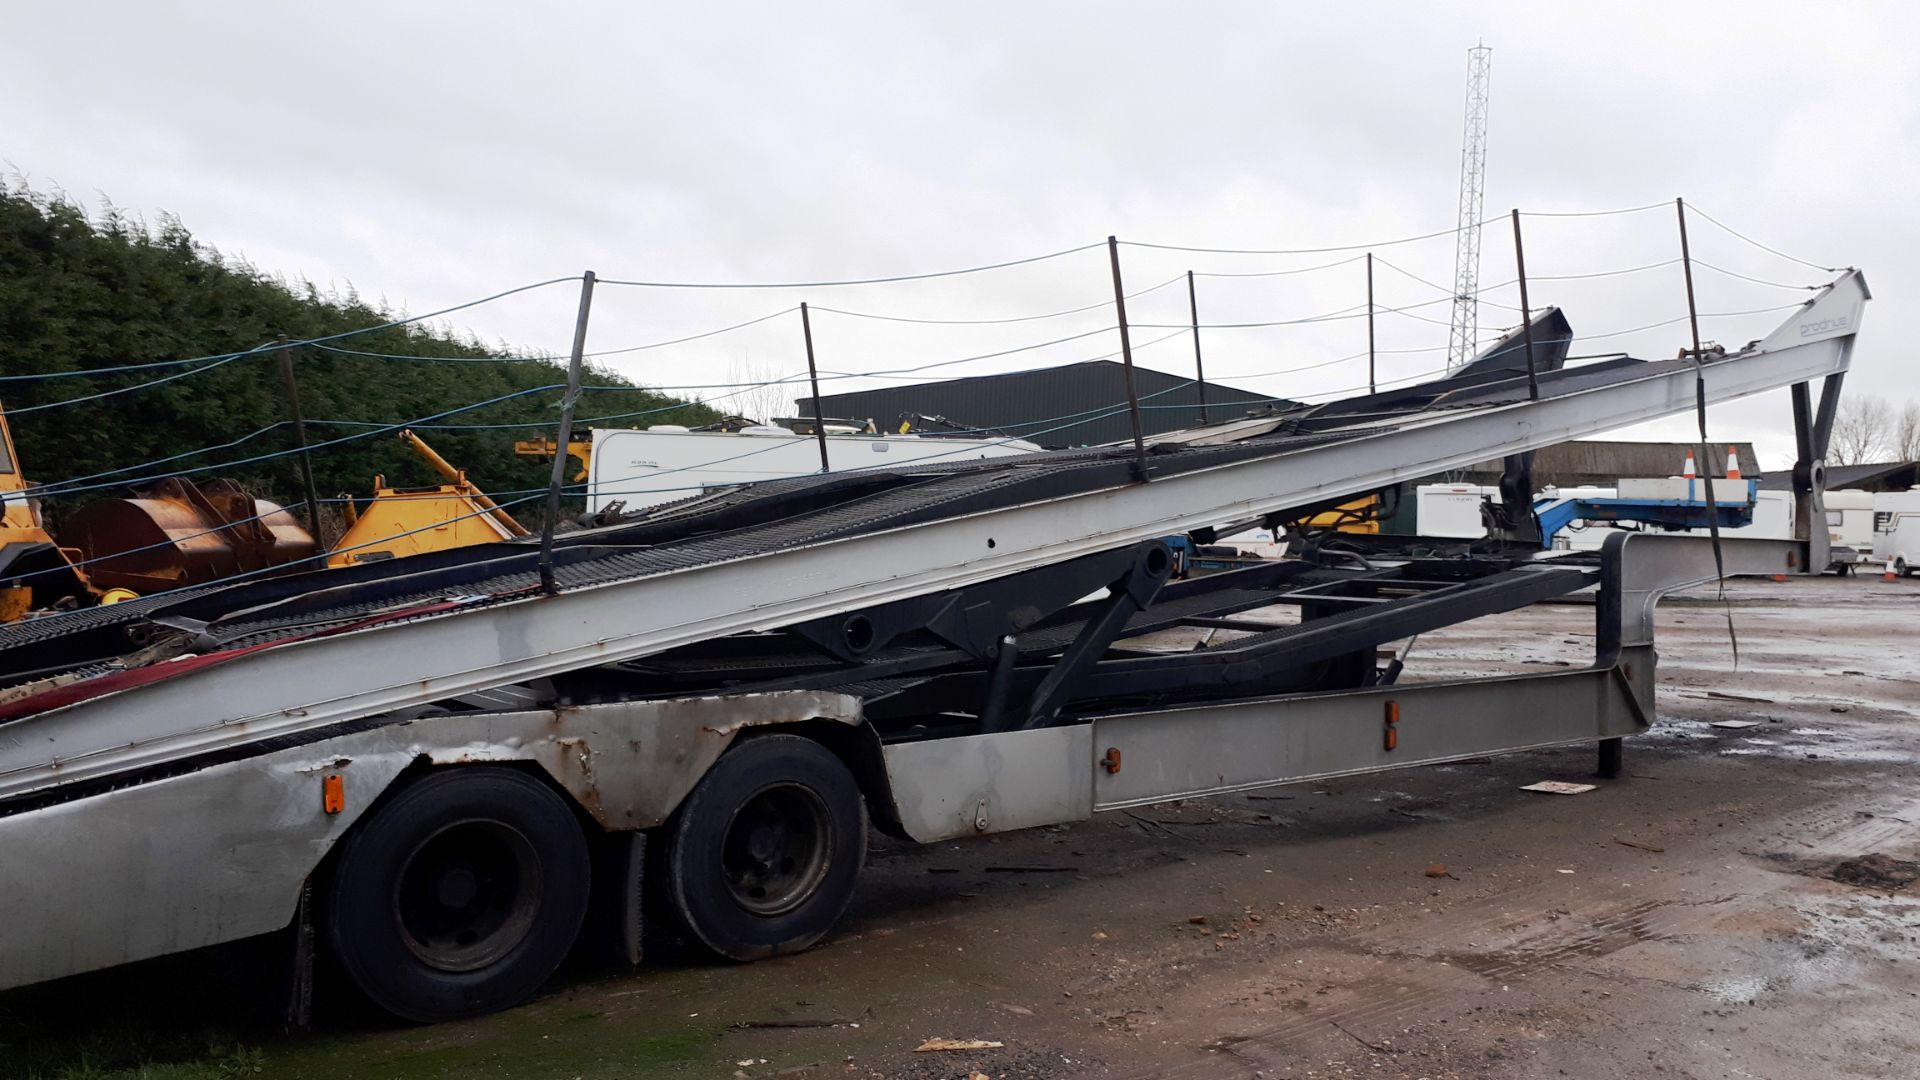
(668, 462)
(1849, 527)
(1896, 529)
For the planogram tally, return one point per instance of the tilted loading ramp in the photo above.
(192, 769)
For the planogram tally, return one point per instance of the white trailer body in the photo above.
(1896, 530)
(1850, 528)
(1451, 510)
(666, 464)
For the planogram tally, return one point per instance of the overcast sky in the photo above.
(431, 153)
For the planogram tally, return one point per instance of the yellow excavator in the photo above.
(409, 521)
(174, 532)
(1360, 515)
(36, 573)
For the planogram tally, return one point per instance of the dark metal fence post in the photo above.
(554, 483)
(1126, 357)
(1686, 265)
(1526, 309)
(813, 377)
(300, 437)
(1199, 368)
(1372, 387)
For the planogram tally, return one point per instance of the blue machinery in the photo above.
(1671, 505)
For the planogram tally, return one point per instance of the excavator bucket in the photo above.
(176, 533)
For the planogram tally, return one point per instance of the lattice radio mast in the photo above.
(1461, 344)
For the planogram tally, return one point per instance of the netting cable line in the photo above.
(834, 283)
(557, 358)
(20, 410)
(1328, 250)
(100, 373)
(1694, 209)
(1665, 204)
(267, 347)
(81, 484)
(997, 321)
(77, 485)
(211, 362)
(72, 487)
(1279, 273)
(515, 498)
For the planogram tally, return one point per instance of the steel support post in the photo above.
(559, 476)
(1199, 368)
(1700, 393)
(1526, 309)
(813, 379)
(1126, 357)
(300, 438)
(1372, 386)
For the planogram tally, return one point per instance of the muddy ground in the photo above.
(1681, 921)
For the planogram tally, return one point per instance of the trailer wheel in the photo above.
(460, 895)
(763, 855)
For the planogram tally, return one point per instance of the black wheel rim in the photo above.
(777, 849)
(467, 895)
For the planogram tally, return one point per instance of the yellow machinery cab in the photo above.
(411, 521)
(35, 572)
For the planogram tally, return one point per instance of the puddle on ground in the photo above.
(1739, 990)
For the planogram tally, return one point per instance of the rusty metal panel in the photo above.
(176, 533)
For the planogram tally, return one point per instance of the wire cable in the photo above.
(1278, 273)
(848, 281)
(1755, 280)
(1305, 251)
(1772, 251)
(568, 357)
(68, 487)
(1015, 319)
(1594, 213)
(84, 398)
(217, 359)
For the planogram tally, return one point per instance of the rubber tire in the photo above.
(1900, 568)
(695, 884)
(366, 939)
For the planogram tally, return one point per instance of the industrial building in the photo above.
(1081, 404)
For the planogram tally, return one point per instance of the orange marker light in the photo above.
(333, 793)
(1392, 738)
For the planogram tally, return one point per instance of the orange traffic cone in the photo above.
(1687, 471)
(1733, 463)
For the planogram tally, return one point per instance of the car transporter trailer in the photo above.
(431, 767)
